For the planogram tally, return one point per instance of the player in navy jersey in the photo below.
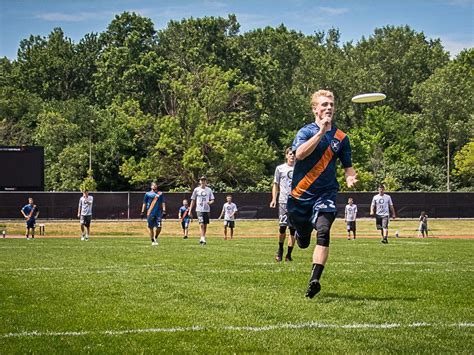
(154, 205)
(312, 201)
(183, 215)
(30, 212)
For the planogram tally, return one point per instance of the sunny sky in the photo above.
(449, 20)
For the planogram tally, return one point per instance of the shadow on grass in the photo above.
(331, 297)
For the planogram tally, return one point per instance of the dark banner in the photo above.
(126, 205)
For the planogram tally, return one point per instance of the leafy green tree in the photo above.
(447, 101)
(464, 164)
(56, 134)
(208, 131)
(46, 66)
(128, 39)
(193, 43)
(393, 59)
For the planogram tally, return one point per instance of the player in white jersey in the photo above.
(202, 197)
(84, 213)
(350, 216)
(381, 206)
(281, 189)
(228, 212)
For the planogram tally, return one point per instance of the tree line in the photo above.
(199, 97)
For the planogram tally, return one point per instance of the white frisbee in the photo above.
(365, 98)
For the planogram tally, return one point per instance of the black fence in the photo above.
(127, 205)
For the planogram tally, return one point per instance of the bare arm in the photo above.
(275, 191)
(393, 211)
(305, 149)
(191, 209)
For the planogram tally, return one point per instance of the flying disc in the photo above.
(365, 98)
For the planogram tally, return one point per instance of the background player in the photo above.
(228, 211)
(423, 227)
(183, 215)
(381, 206)
(281, 188)
(154, 205)
(203, 198)
(30, 212)
(84, 213)
(350, 216)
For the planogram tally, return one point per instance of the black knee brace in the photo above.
(323, 228)
(282, 229)
(292, 231)
(323, 235)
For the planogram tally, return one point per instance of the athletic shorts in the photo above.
(304, 214)
(230, 224)
(351, 226)
(381, 222)
(86, 220)
(283, 215)
(154, 221)
(185, 223)
(423, 227)
(203, 217)
(31, 223)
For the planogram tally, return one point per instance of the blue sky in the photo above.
(449, 20)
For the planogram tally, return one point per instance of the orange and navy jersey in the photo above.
(316, 174)
(153, 202)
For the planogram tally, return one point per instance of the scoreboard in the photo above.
(21, 168)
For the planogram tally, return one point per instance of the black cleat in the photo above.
(313, 289)
(288, 258)
(278, 257)
(384, 241)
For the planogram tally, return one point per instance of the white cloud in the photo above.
(77, 17)
(334, 11)
(454, 44)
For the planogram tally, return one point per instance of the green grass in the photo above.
(150, 298)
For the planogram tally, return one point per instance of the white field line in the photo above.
(283, 326)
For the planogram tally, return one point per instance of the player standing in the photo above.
(30, 212)
(281, 188)
(183, 215)
(154, 205)
(84, 213)
(202, 197)
(312, 202)
(228, 211)
(423, 227)
(381, 206)
(350, 216)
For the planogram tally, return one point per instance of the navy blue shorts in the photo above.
(31, 223)
(154, 221)
(304, 214)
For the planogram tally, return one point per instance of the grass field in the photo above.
(121, 295)
(244, 228)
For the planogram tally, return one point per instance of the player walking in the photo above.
(183, 215)
(30, 212)
(228, 211)
(155, 207)
(84, 213)
(202, 197)
(281, 189)
(312, 202)
(350, 216)
(381, 206)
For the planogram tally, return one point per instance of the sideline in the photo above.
(309, 325)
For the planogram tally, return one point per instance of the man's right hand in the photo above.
(142, 215)
(273, 204)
